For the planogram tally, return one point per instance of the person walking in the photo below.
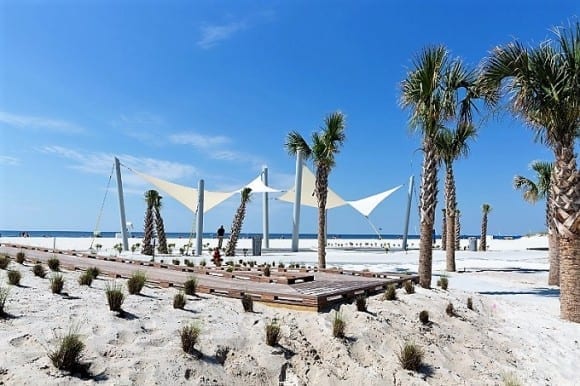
(220, 234)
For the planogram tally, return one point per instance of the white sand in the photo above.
(515, 329)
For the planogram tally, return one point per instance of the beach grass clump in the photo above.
(189, 335)
(390, 293)
(136, 282)
(4, 292)
(424, 317)
(267, 270)
(443, 282)
(39, 271)
(411, 357)
(115, 296)
(94, 271)
(230, 269)
(190, 286)
(338, 325)
(179, 300)
(470, 303)
(20, 257)
(68, 352)
(4, 261)
(450, 310)
(511, 380)
(221, 354)
(203, 263)
(86, 279)
(409, 287)
(54, 264)
(56, 283)
(272, 333)
(361, 303)
(176, 262)
(247, 303)
(188, 262)
(14, 277)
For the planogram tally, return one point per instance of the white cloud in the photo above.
(213, 34)
(199, 141)
(36, 123)
(9, 161)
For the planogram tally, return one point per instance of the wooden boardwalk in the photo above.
(300, 288)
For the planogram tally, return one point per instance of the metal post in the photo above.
(121, 205)
(409, 199)
(265, 219)
(298, 195)
(199, 226)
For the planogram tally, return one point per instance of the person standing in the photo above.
(220, 234)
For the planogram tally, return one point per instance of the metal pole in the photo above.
(199, 226)
(121, 205)
(265, 222)
(409, 199)
(298, 195)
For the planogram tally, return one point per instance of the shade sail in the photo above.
(366, 205)
(308, 197)
(258, 186)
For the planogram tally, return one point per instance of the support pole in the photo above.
(121, 205)
(265, 219)
(409, 199)
(297, 197)
(199, 226)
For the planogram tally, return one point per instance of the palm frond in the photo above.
(295, 142)
(486, 208)
(528, 187)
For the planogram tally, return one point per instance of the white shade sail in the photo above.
(308, 197)
(366, 205)
(258, 186)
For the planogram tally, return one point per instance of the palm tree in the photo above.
(451, 145)
(150, 199)
(430, 92)
(457, 230)
(161, 238)
(238, 222)
(325, 145)
(485, 209)
(534, 191)
(543, 86)
(443, 230)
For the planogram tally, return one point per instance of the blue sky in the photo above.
(185, 90)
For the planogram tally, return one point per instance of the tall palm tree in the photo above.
(485, 209)
(238, 221)
(457, 230)
(431, 93)
(148, 228)
(451, 145)
(533, 191)
(443, 230)
(325, 145)
(161, 238)
(543, 86)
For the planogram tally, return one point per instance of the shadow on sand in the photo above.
(549, 292)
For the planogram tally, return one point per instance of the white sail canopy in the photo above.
(258, 186)
(366, 205)
(308, 197)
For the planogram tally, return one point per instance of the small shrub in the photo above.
(280, 265)
(176, 262)
(39, 270)
(190, 286)
(338, 325)
(136, 282)
(54, 264)
(115, 296)
(230, 269)
(14, 277)
(443, 282)
(221, 354)
(189, 335)
(272, 333)
(4, 261)
(4, 291)
(409, 287)
(510, 380)
(470, 303)
(203, 263)
(86, 278)
(424, 317)
(68, 352)
(411, 357)
(94, 271)
(390, 293)
(248, 303)
(56, 283)
(361, 303)
(267, 271)
(187, 262)
(20, 256)
(179, 301)
(450, 310)
(118, 247)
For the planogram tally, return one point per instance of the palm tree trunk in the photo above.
(457, 231)
(427, 207)
(444, 230)
(553, 245)
(236, 230)
(149, 233)
(162, 239)
(567, 222)
(483, 243)
(450, 209)
(322, 194)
